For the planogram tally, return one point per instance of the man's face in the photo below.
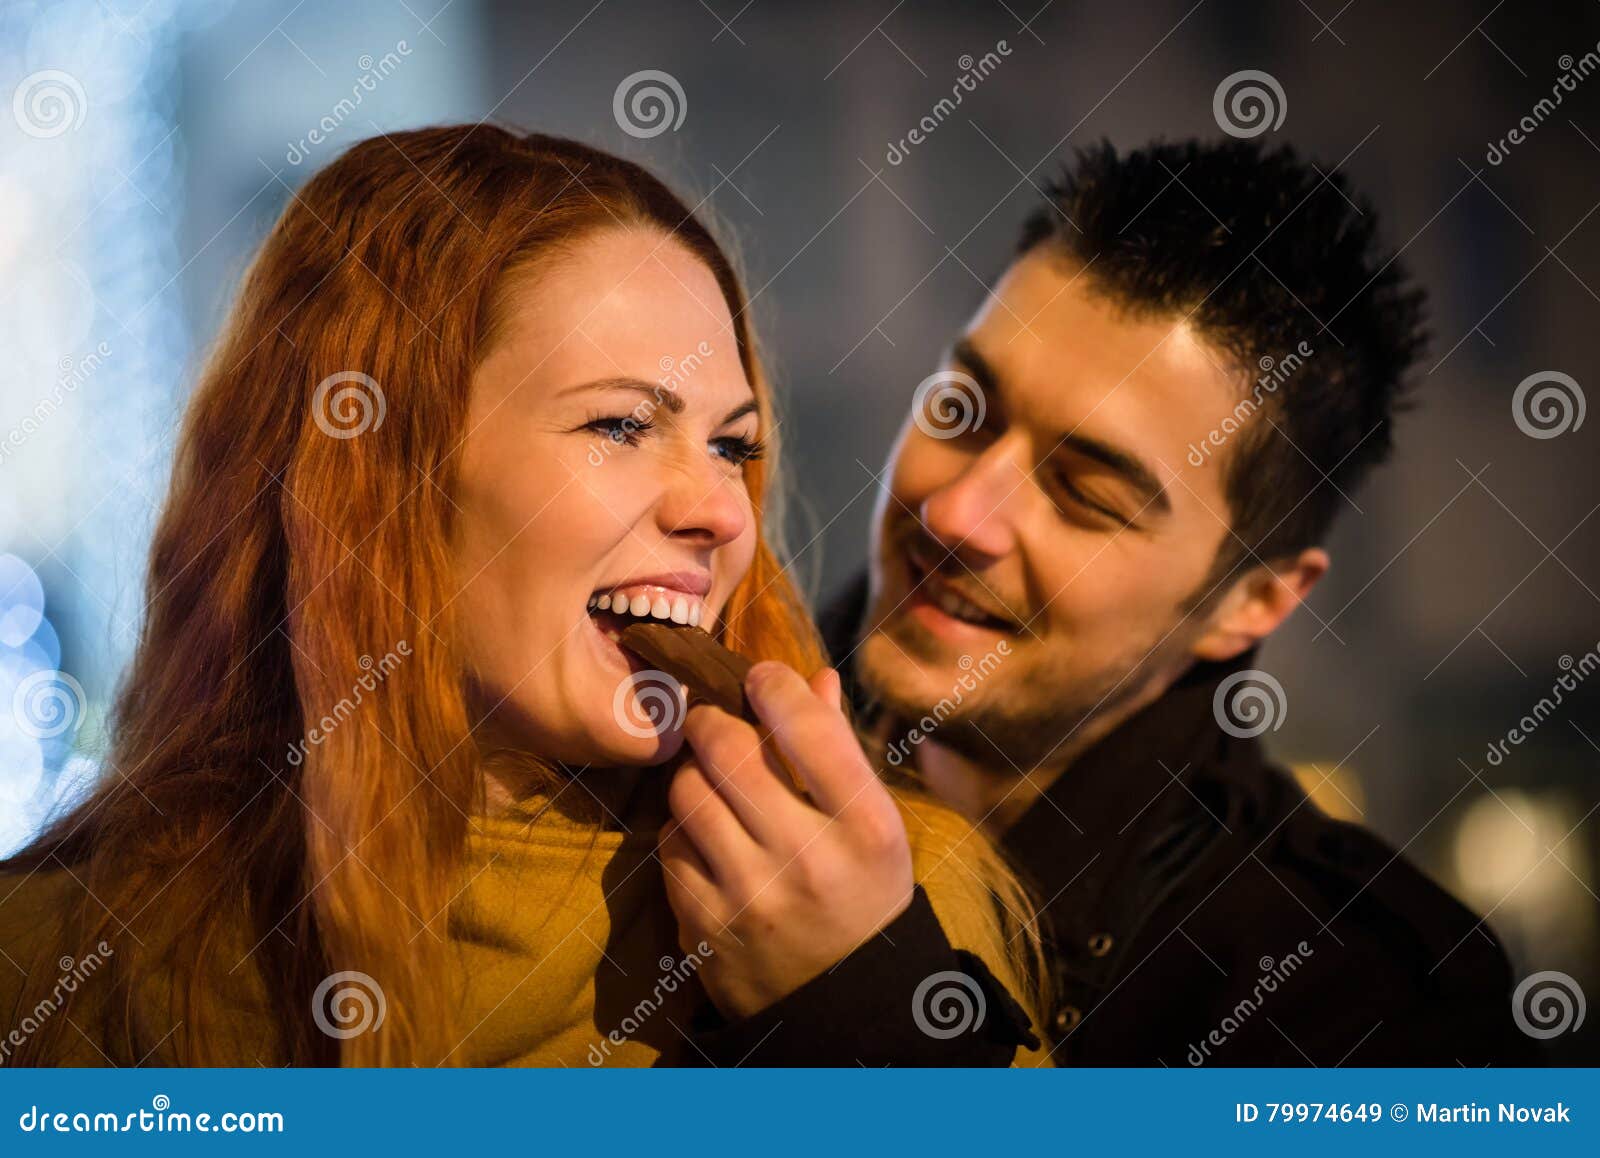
(1032, 571)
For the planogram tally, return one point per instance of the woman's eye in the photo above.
(624, 429)
(737, 449)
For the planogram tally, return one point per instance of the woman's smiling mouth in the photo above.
(677, 598)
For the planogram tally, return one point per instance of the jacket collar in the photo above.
(1114, 783)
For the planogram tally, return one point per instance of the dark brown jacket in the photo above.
(1199, 910)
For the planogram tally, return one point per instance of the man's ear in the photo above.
(1261, 599)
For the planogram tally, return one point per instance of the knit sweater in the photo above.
(566, 954)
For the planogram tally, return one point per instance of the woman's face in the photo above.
(607, 432)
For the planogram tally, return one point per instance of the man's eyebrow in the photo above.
(662, 394)
(965, 353)
(1120, 462)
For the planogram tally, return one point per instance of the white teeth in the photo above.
(958, 608)
(657, 603)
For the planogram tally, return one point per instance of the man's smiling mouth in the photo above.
(931, 587)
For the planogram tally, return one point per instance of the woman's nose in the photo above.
(972, 512)
(704, 503)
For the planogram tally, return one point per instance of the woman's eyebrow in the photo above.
(664, 395)
(738, 412)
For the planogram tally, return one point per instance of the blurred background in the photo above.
(146, 148)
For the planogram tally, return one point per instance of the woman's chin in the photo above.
(620, 749)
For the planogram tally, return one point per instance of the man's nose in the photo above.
(972, 513)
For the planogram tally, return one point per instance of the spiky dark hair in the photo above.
(1261, 251)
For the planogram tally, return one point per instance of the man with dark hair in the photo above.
(1117, 485)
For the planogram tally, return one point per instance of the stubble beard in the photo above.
(1009, 722)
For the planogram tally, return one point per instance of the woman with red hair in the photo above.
(383, 787)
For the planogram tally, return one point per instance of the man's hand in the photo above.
(781, 888)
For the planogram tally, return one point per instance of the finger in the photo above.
(710, 825)
(815, 739)
(730, 754)
(691, 888)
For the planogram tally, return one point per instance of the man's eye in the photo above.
(1084, 502)
(624, 429)
(737, 449)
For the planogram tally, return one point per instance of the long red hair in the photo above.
(287, 559)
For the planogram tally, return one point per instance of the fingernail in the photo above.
(837, 684)
(755, 680)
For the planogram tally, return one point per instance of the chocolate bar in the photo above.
(690, 656)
